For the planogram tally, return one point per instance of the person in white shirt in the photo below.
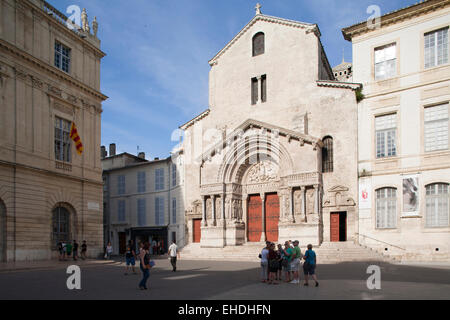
(265, 263)
(173, 254)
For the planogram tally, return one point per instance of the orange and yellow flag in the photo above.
(76, 138)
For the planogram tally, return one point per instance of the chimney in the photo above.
(112, 149)
(103, 152)
(156, 159)
(141, 155)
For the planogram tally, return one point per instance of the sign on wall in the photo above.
(410, 195)
(365, 193)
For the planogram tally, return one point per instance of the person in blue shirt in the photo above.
(309, 267)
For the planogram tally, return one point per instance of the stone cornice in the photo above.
(196, 119)
(397, 16)
(52, 70)
(261, 17)
(338, 84)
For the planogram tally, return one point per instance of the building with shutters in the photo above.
(403, 136)
(49, 78)
(143, 200)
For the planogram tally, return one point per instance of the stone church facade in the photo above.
(274, 156)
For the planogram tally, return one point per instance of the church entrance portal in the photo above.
(255, 218)
(338, 226)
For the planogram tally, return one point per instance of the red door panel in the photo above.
(272, 217)
(197, 231)
(334, 227)
(254, 228)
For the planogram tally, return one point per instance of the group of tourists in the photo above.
(145, 262)
(69, 249)
(277, 260)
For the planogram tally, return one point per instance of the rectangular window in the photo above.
(62, 57)
(141, 182)
(436, 128)
(142, 217)
(437, 205)
(386, 62)
(386, 208)
(159, 211)
(120, 185)
(386, 131)
(62, 140)
(121, 210)
(174, 211)
(254, 90)
(174, 175)
(436, 48)
(264, 88)
(159, 179)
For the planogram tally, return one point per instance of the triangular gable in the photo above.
(261, 17)
(249, 124)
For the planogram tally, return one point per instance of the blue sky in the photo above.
(156, 69)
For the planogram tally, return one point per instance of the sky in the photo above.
(156, 69)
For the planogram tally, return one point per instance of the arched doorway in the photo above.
(63, 224)
(2, 232)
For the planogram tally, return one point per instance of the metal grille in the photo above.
(61, 225)
(327, 155)
(258, 44)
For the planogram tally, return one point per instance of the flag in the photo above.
(76, 138)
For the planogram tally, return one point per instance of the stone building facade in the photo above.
(143, 200)
(274, 156)
(49, 78)
(404, 155)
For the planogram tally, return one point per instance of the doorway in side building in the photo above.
(338, 225)
(122, 242)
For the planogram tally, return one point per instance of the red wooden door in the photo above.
(197, 230)
(254, 219)
(272, 217)
(334, 226)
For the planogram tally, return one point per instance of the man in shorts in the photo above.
(130, 259)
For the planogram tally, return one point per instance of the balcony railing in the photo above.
(59, 16)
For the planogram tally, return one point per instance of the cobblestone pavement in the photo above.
(199, 280)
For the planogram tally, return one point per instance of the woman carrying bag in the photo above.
(146, 265)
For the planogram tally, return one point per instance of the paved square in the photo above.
(202, 280)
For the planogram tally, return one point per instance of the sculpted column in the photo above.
(213, 199)
(316, 199)
(204, 211)
(244, 207)
(222, 207)
(291, 205)
(263, 233)
(303, 205)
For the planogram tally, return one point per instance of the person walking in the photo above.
(145, 265)
(295, 264)
(75, 250)
(273, 264)
(130, 259)
(109, 250)
(64, 245)
(173, 254)
(287, 256)
(83, 250)
(265, 262)
(309, 267)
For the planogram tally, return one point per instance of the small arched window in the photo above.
(386, 208)
(258, 44)
(437, 205)
(327, 155)
(61, 224)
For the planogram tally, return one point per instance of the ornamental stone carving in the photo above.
(208, 208)
(263, 172)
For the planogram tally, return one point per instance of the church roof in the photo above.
(343, 66)
(262, 17)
